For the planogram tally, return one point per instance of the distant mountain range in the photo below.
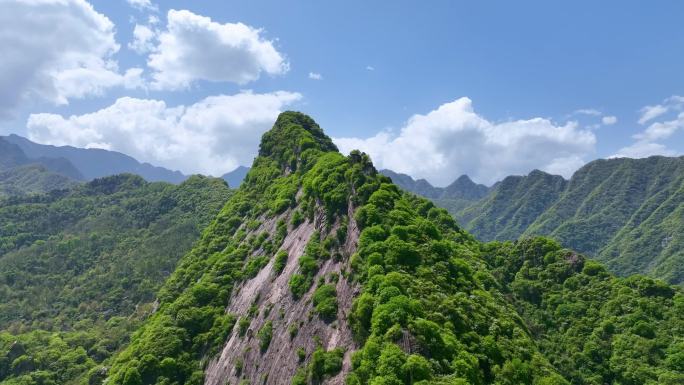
(60, 166)
(20, 174)
(628, 213)
(458, 195)
(96, 163)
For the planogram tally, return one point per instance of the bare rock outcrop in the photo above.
(242, 357)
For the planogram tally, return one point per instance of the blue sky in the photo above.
(548, 85)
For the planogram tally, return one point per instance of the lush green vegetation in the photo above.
(280, 261)
(325, 301)
(431, 305)
(323, 364)
(429, 310)
(80, 268)
(265, 334)
(624, 212)
(436, 306)
(593, 327)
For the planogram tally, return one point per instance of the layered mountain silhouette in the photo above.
(20, 174)
(82, 164)
(96, 163)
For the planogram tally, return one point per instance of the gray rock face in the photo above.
(242, 358)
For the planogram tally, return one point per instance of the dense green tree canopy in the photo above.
(80, 268)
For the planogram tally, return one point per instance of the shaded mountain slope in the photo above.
(319, 270)
(462, 188)
(604, 195)
(624, 212)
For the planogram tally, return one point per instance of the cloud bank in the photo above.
(193, 47)
(41, 65)
(212, 136)
(453, 140)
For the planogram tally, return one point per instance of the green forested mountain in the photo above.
(628, 213)
(512, 206)
(79, 268)
(624, 212)
(320, 270)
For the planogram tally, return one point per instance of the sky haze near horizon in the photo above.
(484, 89)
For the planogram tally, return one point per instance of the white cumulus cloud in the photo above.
(649, 141)
(143, 39)
(315, 76)
(193, 47)
(54, 50)
(142, 5)
(651, 112)
(587, 111)
(212, 136)
(453, 140)
(609, 120)
(673, 103)
(643, 149)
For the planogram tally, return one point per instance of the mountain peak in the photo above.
(465, 188)
(292, 134)
(464, 179)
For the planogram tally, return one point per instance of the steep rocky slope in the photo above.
(319, 270)
(279, 361)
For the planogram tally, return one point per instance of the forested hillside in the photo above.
(320, 270)
(593, 327)
(80, 268)
(512, 206)
(624, 212)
